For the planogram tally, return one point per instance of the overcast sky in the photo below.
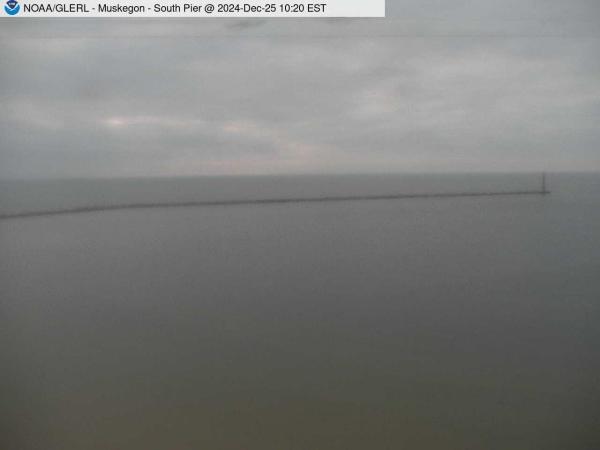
(486, 85)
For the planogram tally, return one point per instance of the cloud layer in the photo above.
(428, 89)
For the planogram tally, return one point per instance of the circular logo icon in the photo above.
(12, 7)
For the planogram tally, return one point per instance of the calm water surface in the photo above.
(466, 323)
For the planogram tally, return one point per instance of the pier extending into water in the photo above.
(271, 201)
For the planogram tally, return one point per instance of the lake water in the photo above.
(463, 323)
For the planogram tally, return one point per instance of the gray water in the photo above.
(464, 323)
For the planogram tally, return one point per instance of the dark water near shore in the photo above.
(466, 323)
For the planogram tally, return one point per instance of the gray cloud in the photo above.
(483, 85)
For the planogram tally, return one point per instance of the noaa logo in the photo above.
(12, 7)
